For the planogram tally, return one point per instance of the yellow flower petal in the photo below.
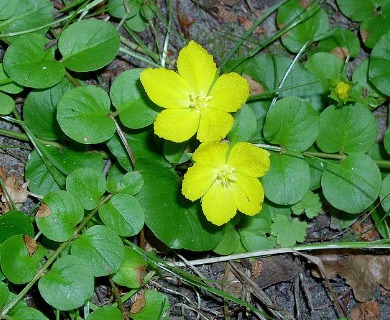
(212, 154)
(248, 194)
(177, 125)
(214, 125)
(218, 204)
(249, 159)
(229, 92)
(197, 67)
(197, 180)
(166, 88)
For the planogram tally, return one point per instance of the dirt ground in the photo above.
(284, 286)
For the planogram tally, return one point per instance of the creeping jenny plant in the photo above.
(113, 156)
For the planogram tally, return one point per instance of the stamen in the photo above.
(225, 175)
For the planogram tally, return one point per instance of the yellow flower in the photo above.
(342, 90)
(193, 103)
(227, 180)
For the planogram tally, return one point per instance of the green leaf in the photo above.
(29, 64)
(69, 283)
(123, 214)
(117, 9)
(4, 294)
(7, 8)
(245, 124)
(288, 231)
(314, 25)
(7, 104)
(130, 273)
(373, 29)
(106, 312)
(340, 42)
(131, 183)
(175, 152)
(131, 102)
(40, 109)
(102, 248)
(156, 307)
(26, 313)
(378, 71)
(358, 181)
(26, 15)
(317, 167)
(59, 214)
(385, 193)
(280, 183)
(88, 185)
(255, 232)
(310, 204)
(83, 114)
(347, 129)
(19, 260)
(67, 159)
(325, 66)
(164, 207)
(6, 83)
(356, 10)
(89, 45)
(269, 70)
(386, 140)
(13, 223)
(137, 23)
(114, 176)
(292, 123)
(230, 241)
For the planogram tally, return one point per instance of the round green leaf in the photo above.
(40, 109)
(165, 208)
(340, 42)
(347, 129)
(19, 261)
(6, 83)
(230, 241)
(106, 312)
(83, 114)
(26, 15)
(117, 9)
(311, 27)
(325, 66)
(123, 214)
(102, 248)
(130, 274)
(292, 123)
(353, 184)
(29, 64)
(156, 307)
(88, 185)
(26, 313)
(4, 294)
(88, 45)
(114, 177)
(356, 10)
(373, 29)
(59, 214)
(379, 68)
(175, 152)
(245, 124)
(137, 23)
(131, 102)
(386, 140)
(7, 104)
(268, 70)
(281, 184)
(131, 183)
(13, 223)
(69, 283)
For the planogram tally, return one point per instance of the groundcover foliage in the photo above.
(108, 159)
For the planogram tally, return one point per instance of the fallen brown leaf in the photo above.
(43, 211)
(366, 311)
(17, 192)
(31, 244)
(363, 272)
(139, 303)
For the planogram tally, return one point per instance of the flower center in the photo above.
(199, 101)
(342, 90)
(225, 175)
